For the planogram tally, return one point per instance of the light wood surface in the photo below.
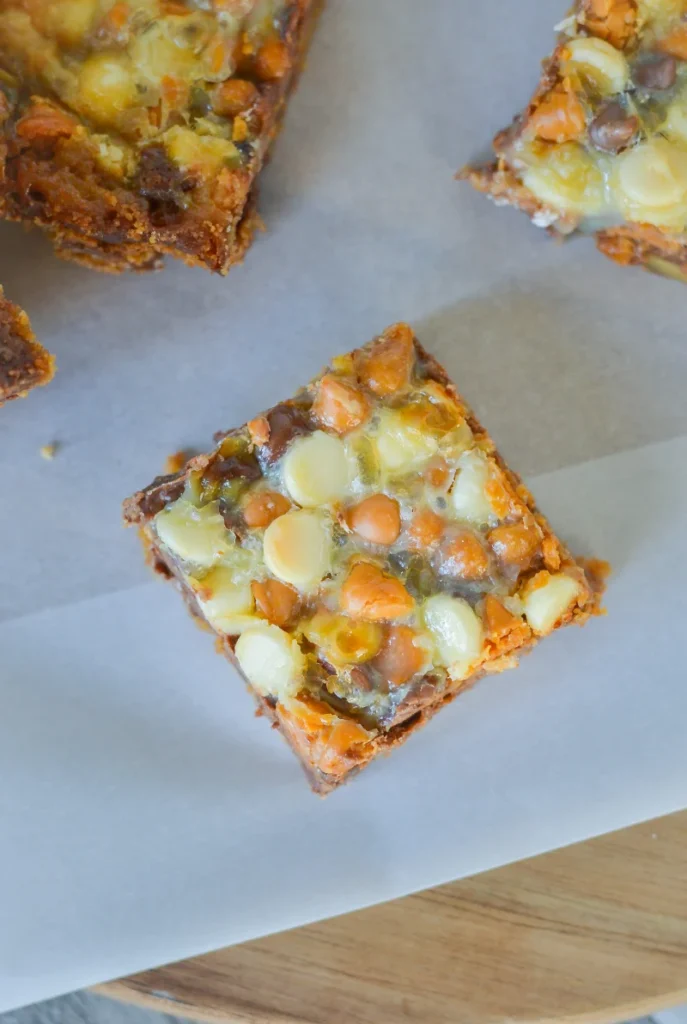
(595, 932)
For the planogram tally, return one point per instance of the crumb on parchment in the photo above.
(175, 462)
(49, 451)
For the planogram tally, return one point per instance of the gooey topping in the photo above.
(606, 142)
(181, 77)
(363, 548)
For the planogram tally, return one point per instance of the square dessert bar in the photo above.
(24, 363)
(363, 554)
(134, 128)
(602, 146)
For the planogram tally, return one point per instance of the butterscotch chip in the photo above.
(516, 544)
(387, 367)
(263, 507)
(370, 594)
(376, 519)
(340, 406)
(464, 556)
(275, 601)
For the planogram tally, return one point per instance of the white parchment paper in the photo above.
(145, 815)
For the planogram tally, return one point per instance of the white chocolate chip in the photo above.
(106, 86)
(675, 124)
(456, 632)
(271, 660)
(400, 445)
(567, 178)
(468, 493)
(297, 548)
(653, 174)
(316, 470)
(664, 9)
(196, 535)
(599, 61)
(226, 604)
(202, 152)
(546, 604)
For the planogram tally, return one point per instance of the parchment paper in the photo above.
(145, 815)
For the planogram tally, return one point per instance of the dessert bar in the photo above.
(602, 146)
(135, 128)
(362, 553)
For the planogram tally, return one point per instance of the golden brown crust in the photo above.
(50, 176)
(24, 363)
(644, 245)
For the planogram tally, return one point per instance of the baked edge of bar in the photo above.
(36, 366)
(629, 244)
(208, 244)
(166, 489)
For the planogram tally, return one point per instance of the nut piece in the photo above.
(376, 519)
(196, 535)
(597, 60)
(297, 548)
(263, 507)
(456, 631)
(277, 602)
(340, 406)
(271, 661)
(546, 599)
(371, 595)
(388, 366)
(228, 607)
(468, 494)
(316, 470)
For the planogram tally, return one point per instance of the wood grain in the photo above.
(595, 932)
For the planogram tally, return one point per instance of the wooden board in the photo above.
(595, 932)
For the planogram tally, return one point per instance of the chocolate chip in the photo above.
(233, 468)
(285, 422)
(656, 72)
(613, 128)
(162, 492)
(199, 102)
(157, 177)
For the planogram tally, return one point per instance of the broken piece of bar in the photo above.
(24, 363)
(602, 146)
(363, 554)
(135, 128)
